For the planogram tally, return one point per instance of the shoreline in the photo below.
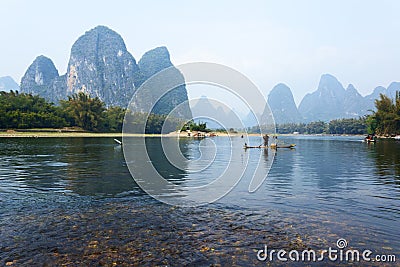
(55, 134)
(40, 133)
(43, 134)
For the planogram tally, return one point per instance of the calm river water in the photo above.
(72, 201)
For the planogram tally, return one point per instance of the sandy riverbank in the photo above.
(41, 134)
(57, 134)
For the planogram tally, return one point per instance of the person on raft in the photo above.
(266, 140)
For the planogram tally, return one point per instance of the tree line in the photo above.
(26, 111)
(338, 126)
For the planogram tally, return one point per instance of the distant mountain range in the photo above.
(7, 84)
(330, 101)
(215, 114)
(101, 66)
(282, 105)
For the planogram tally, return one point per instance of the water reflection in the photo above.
(27, 166)
(356, 183)
(161, 163)
(84, 166)
(386, 155)
(96, 167)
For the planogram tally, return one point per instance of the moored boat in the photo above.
(274, 146)
(370, 138)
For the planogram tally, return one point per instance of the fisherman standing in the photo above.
(266, 140)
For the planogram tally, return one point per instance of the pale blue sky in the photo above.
(269, 41)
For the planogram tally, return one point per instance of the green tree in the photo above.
(386, 118)
(114, 119)
(371, 124)
(193, 126)
(28, 111)
(317, 127)
(152, 123)
(348, 126)
(83, 111)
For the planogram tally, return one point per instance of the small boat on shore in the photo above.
(118, 142)
(274, 146)
(370, 139)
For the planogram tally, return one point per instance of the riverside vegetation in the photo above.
(26, 111)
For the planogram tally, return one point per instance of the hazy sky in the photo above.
(269, 41)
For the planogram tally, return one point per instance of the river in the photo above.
(73, 201)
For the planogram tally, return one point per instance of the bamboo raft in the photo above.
(273, 146)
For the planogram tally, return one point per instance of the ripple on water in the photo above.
(78, 202)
